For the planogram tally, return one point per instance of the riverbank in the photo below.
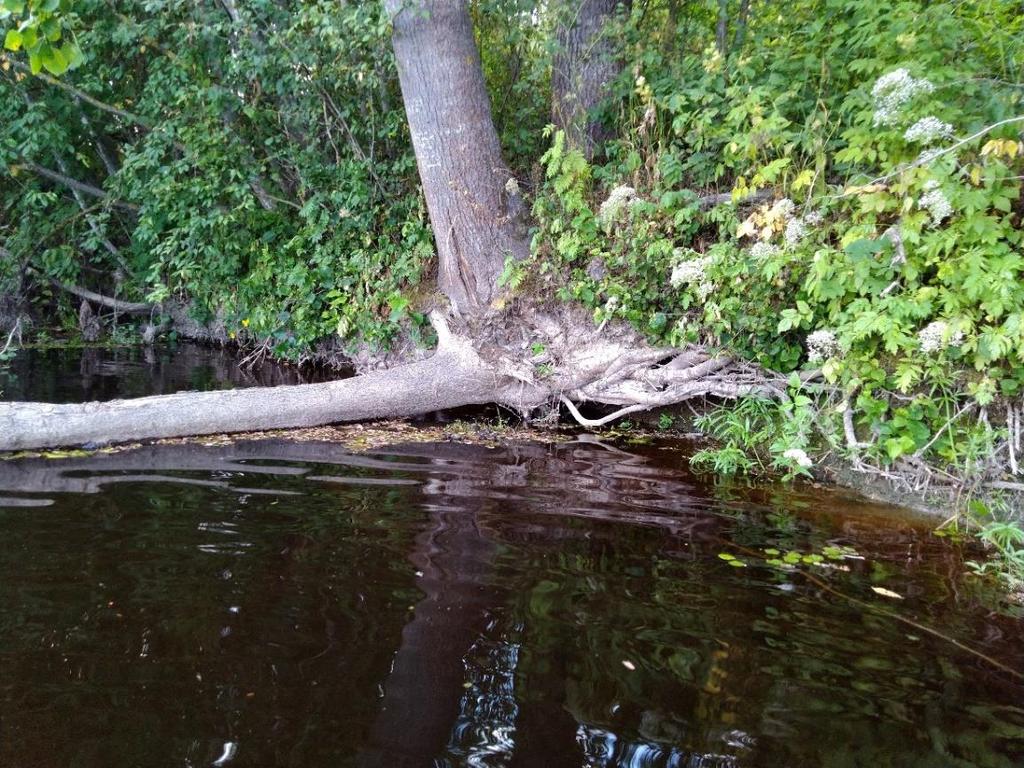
(97, 371)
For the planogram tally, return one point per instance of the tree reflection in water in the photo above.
(455, 605)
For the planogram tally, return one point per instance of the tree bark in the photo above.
(471, 196)
(722, 28)
(741, 25)
(585, 63)
(453, 377)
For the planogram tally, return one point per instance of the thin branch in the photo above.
(73, 184)
(10, 337)
(356, 148)
(710, 201)
(848, 430)
(1003, 485)
(938, 433)
(932, 157)
(128, 307)
(79, 94)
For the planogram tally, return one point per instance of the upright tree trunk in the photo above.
(585, 63)
(471, 196)
(741, 26)
(722, 28)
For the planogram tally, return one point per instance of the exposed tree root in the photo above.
(614, 367)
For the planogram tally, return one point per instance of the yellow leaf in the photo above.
(803, 179)
(864, 189)
(976, 175)
(1002, 148)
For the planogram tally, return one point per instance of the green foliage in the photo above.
(39, 28)
(1003, 535)
(757, 435)
(263, 170)
(873, 236)
(741, 432)
(791, 559)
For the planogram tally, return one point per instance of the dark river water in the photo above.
(293, 604)
(70, 375)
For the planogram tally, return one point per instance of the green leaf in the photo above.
(54, 60)
(864, 248)
(51, 28)
(12, 41)
(72, 54)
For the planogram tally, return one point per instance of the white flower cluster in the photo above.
(814, 218)
(796, 230)
(796, 227)
(762, 250)
(936, 336)
(892, 91)
(690, 272)
(928, 155)
(799, 456)
(783, 208)
(821, 345)
(928, 130)
(617, 200)
(934, 201)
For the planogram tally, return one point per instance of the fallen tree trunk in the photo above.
(454, 376)
(580, 364)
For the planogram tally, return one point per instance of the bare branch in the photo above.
(74, 184)
(79, 94)
(10, 337)
(932, 157)
(128, 307)
(710, 201)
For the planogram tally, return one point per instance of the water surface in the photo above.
(281, 604)
(83, 374)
